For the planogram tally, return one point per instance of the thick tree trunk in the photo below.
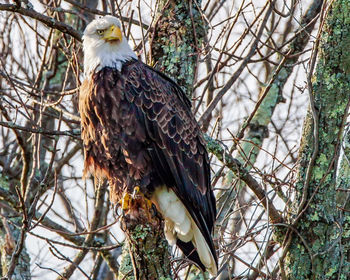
(316, 245)
(343, 202)
(177, 40)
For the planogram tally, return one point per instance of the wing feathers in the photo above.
(178, 146)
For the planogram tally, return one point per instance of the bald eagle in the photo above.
(138, 131)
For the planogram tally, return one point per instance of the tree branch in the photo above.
(48, 21)
(235, 166)
(235, 76)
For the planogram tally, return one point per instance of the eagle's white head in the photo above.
(104, 45)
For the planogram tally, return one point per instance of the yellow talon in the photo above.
(125, 201)
(135, 192)
(148, 203)
(136, 202)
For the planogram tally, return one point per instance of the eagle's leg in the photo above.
(135, 202)
(136, 191)
(146, 204)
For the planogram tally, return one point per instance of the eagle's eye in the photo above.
(100, 32)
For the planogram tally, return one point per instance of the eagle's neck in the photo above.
(100, 55)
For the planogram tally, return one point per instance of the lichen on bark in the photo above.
(145, 254)
(9, 234)
(316, 252)
(176, 41)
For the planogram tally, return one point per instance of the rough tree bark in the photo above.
(316, 249)
(176, 40)
(9, 234)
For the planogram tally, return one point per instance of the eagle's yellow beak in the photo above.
(113, 33)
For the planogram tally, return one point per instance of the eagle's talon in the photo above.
(149, 204)
(125, 202)
(135, 192)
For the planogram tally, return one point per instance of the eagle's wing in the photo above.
(175, 144)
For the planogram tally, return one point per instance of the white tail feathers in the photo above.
(203, 251)
(184, 228)
(180, 225)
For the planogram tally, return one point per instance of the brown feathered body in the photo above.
(138, 130)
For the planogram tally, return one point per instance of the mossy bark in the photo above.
(22, 269)
(9, 235)
(317, 251)
(145, 254)
(177, 40)
(343, 203)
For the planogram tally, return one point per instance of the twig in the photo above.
(263, 95)
(235, 76)
(73, 133)
(49, 21)
(234, 165)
